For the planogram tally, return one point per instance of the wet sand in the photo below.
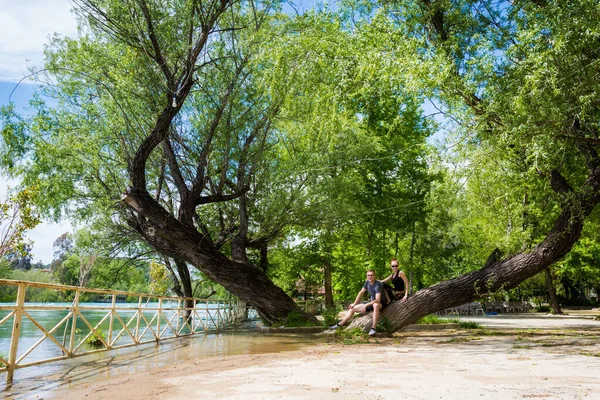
(539, 357)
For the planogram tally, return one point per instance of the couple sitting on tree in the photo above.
(379, 297)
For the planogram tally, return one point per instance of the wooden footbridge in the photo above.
(76, 328)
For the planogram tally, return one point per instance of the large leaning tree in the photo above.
(164, 118)
(514, 76)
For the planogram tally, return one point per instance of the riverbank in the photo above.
(550, 360)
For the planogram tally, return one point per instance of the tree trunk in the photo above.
(411, 263)
(328, 285)
(552, 292)
(500, 274)
(183, 242)
(186, 282)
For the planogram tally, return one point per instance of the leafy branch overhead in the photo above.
(252, 146)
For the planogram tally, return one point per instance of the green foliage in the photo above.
(542, 309)
(9, 293)
(434, 320)
(94, 340)
(350, 336)
(296, 319)
(349, 172)
(17, 216)
(330, 316)
(384, 325)
(160, 282)
(469, 325)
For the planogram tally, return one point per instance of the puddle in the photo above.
(39, 382)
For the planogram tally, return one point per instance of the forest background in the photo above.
(330, 140)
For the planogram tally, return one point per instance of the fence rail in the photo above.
(88, 328)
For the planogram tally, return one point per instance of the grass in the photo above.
(469, 325)
(521, 346)
(589, 353)
(385, 326)
(435, 320)
(350, 336)
(330, 316)
(462, 339)
(295, 319)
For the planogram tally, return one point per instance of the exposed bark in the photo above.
(500, 274)
(327, 269)
(179, 232)
(552, 292)
(181, 242)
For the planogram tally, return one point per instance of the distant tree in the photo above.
(63, 245)
(16, 217)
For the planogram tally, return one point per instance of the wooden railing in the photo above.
(87, 328)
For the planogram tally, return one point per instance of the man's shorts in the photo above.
(370, 308)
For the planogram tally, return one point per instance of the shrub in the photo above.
(351, 336)
(94, 340)
(384, 325)
(330, 316)
(469, 325)
(542, 309)
(434, 319)
(296, 319)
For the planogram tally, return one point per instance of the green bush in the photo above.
(350, 336)
(330, 316)
(94, 340)
(384, 325)
(434, 320)
(469, 325)
(297, 319)
(542, 309)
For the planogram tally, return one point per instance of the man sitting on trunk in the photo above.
(378, 300)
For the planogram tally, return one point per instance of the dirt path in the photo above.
(434, 365)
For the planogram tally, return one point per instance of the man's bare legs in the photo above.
(360, 308)
(352, 309)
(376, 309)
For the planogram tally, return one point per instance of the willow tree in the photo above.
(164, 116)
(514, 77)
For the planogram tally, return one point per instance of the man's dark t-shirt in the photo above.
(375, 288)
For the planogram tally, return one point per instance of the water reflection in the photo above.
(41, 381)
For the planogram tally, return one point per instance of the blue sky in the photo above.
(25, 26)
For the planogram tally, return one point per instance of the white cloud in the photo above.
(25, 26)
(43, 237)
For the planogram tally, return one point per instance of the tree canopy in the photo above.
(258, 146)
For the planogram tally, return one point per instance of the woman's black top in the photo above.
(398, 283)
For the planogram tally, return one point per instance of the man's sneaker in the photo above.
(372, 332)
(333, 327)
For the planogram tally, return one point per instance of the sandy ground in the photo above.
(540, 361)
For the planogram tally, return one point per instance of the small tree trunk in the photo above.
(411, 263)
(552, 292)
(328, 286)
(186, 283)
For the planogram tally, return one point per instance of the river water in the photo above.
(42, 380)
